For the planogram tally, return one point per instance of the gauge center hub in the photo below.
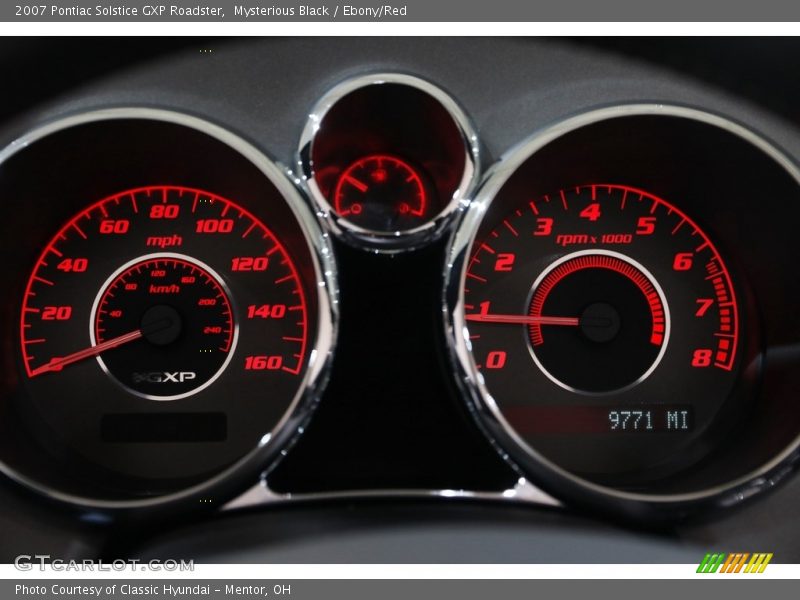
(161, 325)
(622, 322)
(600, 322)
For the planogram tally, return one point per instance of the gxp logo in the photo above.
(164, 377)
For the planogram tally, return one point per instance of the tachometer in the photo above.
(613, 317)
(587, 309)
(602, 318)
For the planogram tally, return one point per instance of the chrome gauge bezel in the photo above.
(529, 463)
(389, 241)
(217, 490)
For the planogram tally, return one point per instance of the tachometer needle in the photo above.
(524, 320)
(56, 364)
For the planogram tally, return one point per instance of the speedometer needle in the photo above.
(524, 320)
(56, 364)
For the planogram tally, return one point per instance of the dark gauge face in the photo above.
(605, 327)
(168, 315)
(591, 351)
(184, 314)
(382, 192)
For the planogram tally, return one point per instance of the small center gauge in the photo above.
(388, 159)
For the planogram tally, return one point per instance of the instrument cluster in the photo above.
(605, 312)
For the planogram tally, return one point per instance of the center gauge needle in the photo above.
(524, 320)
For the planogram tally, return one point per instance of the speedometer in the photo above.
(175, 318)
(163, 324)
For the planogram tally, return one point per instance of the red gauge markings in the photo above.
(618, 219)
(381, 191)
(165, 268)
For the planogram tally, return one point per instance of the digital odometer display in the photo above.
(604, 324)
(604, 419)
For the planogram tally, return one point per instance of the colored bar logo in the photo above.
(738, 562)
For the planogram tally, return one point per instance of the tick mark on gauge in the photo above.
(678, 226)
(249, 229)
(79, 230)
